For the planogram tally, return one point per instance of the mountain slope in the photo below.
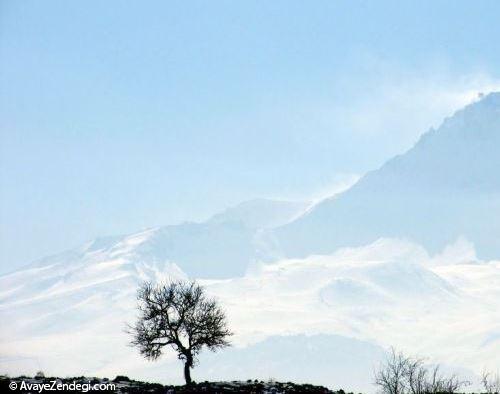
(261, 213)
(446, 186)
(221, 247)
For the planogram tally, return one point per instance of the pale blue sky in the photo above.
(120, 115)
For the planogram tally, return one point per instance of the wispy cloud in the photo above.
(391, 101)
(338, 184)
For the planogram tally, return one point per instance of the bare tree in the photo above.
(401, 374)
(416, 375)
(441, 384)
(491, 382)
(391, 377)
(179, 315)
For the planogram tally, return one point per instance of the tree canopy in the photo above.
(178, 314)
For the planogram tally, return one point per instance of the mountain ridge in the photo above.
(222, 246)
(442, 188)
(266, 230)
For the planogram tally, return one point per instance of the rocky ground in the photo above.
(123, 384)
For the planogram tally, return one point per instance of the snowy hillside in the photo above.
(446, 186)
(70, 318)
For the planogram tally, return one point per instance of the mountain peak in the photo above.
(445, 187)
(492, 98)
(482, 113)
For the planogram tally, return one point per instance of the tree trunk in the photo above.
(187, 369)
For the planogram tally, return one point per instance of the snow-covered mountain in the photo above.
(390, 262)
(221, 247)
(446, 186)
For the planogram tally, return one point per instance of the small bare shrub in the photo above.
(491, 382)
(401, 374)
